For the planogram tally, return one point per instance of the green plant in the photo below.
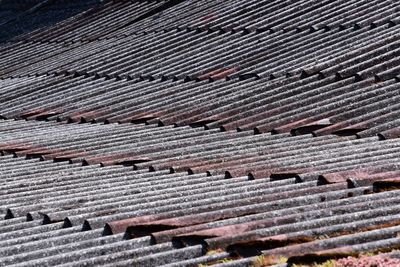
(263, 260)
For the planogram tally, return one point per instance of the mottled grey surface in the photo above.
(180, 133)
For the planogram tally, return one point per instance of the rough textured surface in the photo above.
(199, 132)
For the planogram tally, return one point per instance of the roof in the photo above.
(196, 133)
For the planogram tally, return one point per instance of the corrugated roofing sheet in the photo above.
(197, 133)
(201, 54)
(65, 199)
(310, 105)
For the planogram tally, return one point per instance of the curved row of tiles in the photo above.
(191, 149)
(219, 16)
(201, 55)
(156, 218)
(300, 106)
